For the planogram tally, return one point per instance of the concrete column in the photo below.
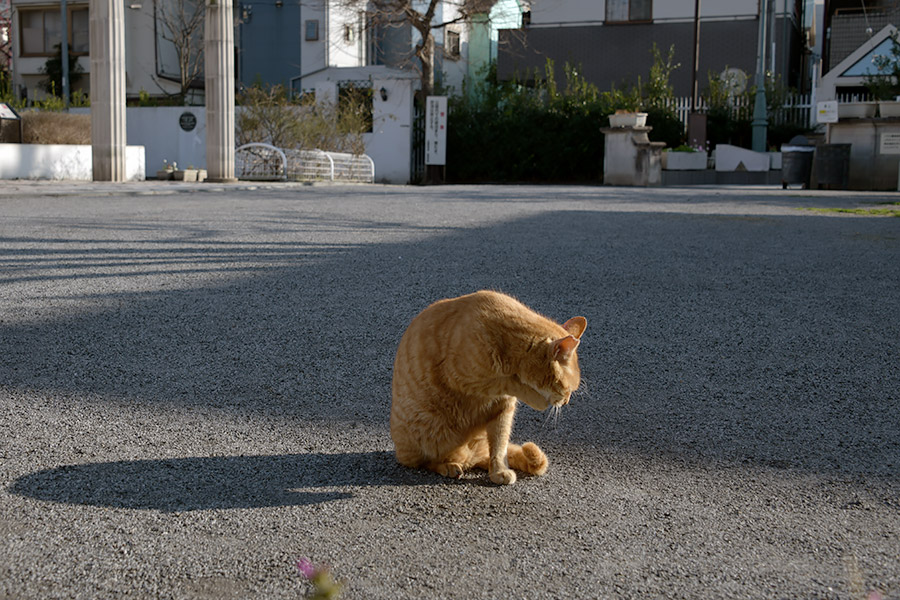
(107, 47)
(218, 48)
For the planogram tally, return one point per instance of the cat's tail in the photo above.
(528, 458)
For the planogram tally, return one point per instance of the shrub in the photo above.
(270, 116)
(48, 127)
(534, 129)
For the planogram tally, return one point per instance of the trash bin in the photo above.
(832, 163)
(796, 162)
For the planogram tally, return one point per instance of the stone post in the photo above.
(630, 158)
(107, 47)
(218, 48)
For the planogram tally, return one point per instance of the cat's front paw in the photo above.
(452, 470)
(503, 477)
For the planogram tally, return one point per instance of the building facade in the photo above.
(283, 42)
(609, 41)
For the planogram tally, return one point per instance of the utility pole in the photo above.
(760, 122)
(64, 51)
(696, 121)
(695, 86)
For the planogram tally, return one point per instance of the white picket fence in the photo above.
(797, 108)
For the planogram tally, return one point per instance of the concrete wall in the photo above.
(57, 161)
(390, 143)
(159, 131)
(870, 169)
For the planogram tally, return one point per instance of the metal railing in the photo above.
(264, 162)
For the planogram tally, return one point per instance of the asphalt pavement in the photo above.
(195, 389)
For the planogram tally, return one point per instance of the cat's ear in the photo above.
(564, 347)
(575, 326)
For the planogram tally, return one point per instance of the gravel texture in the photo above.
(195, 387)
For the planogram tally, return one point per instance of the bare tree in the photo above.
(420, 15)
(181, 24)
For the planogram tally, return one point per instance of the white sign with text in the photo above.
(436, 130)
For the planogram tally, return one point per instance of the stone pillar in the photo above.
(218, 49)
(107, 47)
(630, 158)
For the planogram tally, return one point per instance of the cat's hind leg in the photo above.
(454, 463)
(474, 453)
(528, 458)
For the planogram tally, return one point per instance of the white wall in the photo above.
(140, 62)
(313, 54)
(157, 129)
(343, 53)
(57, 161)
(390, 143)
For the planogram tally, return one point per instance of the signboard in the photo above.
(6, 112)
(890, 143)
(187, 121)
(827, 112)
(436, 130)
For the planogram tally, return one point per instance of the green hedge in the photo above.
(534, 131)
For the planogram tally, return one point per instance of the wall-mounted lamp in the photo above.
(383, 93)
(246, 13)
(279, 3)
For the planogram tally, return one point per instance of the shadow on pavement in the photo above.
(228, 482)
(764, 341)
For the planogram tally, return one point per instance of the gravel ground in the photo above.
(195, 387)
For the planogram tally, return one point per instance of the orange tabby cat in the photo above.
(459, 369)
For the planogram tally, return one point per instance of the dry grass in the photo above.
(55, 128)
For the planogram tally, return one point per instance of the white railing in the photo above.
(264, 162)
(796, 108)
(259, 162)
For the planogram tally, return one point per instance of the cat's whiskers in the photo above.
(584, 390)
(552, 418)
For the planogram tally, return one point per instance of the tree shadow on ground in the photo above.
(758, 341)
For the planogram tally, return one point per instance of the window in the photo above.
(451, 44)
(312, 31)
(623, 11)
(42, 31)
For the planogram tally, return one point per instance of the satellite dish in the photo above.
(735, 80)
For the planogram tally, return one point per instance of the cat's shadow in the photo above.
(218, 482)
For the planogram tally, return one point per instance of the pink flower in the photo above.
(306, 568)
